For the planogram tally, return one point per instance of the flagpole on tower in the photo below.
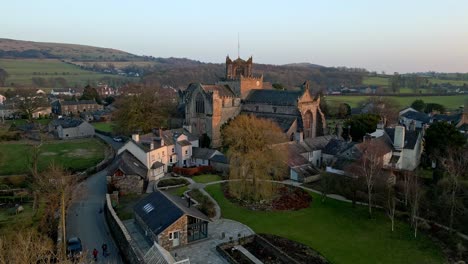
(238, 45)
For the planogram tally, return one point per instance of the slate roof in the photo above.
(67, 122)
(454, 119)
(418, 116)
(411, 137)
(156, 165)
(336, 146)
(184, 143)
(223, 90)
(220, 159)
(203, 153)
(81, 102)
(284, 121)
(167, 135)
(274, 97)
(319, 142)
(159, 210)
(128, 164)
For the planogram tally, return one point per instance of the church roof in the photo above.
(223, 90)
(274, 97)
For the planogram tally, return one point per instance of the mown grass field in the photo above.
(103, 126)
(341, 233)
(74, 155)
(450, 102)
(383, 81)
(206, 178)
(21, 71)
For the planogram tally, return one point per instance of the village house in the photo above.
(42, 112)
(65, 92)
(70, 128)
(127, 174)
(414, 119)
(170, 221)
(61, 107)
(2, 99)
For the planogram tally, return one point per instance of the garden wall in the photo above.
(130, 252)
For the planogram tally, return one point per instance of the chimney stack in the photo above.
(136, 137)
(161, 136)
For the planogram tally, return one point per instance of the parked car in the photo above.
(117, 139)
(74, 247)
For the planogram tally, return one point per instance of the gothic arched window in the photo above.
(308, 123)
(200, 104)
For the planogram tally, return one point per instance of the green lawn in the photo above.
(341, 233)
(103, 126)
(450, 102)
(452, 82)
(75, 155)
(206, 178)
(380, 81)
(178, 191)
(21, 71)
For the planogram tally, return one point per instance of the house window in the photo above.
(172, 150)
(186, 152)
(163, 153)
(170, 160)
(256, 108)
(274, 109)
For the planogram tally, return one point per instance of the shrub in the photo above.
(172, 182)
(205, 205)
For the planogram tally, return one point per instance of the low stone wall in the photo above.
(192, 171)
(130, 252)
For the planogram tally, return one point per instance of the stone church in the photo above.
(209, 106)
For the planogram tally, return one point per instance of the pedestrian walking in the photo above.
(104, 250)
(95, 254)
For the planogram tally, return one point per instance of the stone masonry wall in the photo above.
(181, 226)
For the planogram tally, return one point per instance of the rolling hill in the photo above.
(10, 48)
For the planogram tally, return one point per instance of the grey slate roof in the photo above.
(411, 137)
(336, 146)
(157, 164)
(418, 116)
(448, 118)
(67, 122)
(81, 102)
(159, 210)
(220, 159)
(128, 164)
(319, 142)
(274, 97)
(184, 143)
(203, 153)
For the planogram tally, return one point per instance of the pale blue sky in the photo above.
(389, 35)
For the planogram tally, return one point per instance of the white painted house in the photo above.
(161, 150)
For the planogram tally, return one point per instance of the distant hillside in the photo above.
(10, 48)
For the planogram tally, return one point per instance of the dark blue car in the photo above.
(74, 247)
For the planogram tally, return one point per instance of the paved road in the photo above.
(85, 219)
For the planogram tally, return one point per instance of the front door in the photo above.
(175, 239)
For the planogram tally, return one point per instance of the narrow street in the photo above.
(86, 218)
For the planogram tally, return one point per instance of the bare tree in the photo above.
(455, 163)
(369, 167)
(390, 206)
(55, 185)
(415, 195)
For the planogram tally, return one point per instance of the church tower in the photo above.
(238, 68)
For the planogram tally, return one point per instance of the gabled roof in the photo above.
(454, 119)
(223, 90)
(159, 210)
(184, 143)
(81, 102)
(336, 146)
(203, 153)
(274, 97)
(128, 164)
(319, 142)
(219, 158)
(67, 122)
(418, 116)
(411, 137)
